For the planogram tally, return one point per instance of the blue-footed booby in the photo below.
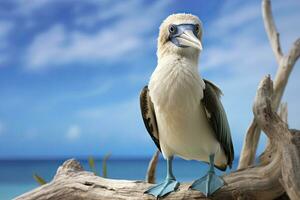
(182, 112)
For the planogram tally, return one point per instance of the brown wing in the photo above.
(218, 120)
(148, 115)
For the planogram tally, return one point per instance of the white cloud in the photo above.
(235, 19)
(115, 9)
(114, 42)
(73, 132)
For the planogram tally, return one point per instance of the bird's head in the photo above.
(180, 34)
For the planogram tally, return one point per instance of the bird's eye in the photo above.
(172, 28)
(197, 28)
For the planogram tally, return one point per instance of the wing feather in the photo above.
(148, 115)
(218, 119)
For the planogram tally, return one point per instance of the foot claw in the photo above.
(208, 184)
(163, 189)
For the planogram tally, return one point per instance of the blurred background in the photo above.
(71, 73)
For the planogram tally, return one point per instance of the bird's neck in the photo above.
(179, 63)
(176, 81)
(189, 56)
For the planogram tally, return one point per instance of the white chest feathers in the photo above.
(176, 84)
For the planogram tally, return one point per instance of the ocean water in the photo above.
(16, 176)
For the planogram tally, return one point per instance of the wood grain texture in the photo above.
(71, 182)
(287, 142)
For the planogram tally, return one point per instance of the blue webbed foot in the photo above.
(208, 184)
(164, 188)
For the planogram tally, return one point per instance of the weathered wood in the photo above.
(251, 139)
(271, 30)
(71, 182)
(285, 66)
(150, 176)
(267, 156)
(291, 156)
(286, 141)
(283, 112)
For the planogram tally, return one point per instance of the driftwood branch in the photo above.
(150, 176)
(71, 182)
(285, 66)
(271, 30)
(287, 141)
(266, 156)
(269, 180)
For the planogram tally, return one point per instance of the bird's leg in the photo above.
(169, 185)
(209, 183)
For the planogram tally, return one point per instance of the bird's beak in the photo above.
(187, 38)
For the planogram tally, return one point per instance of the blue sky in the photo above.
(71, 71)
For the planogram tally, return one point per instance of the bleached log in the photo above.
(71, 182)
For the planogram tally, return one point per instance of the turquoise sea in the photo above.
(16, 175)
